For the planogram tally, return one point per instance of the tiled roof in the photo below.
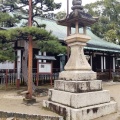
(95, 42)
(61, 32)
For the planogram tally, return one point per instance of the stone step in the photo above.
(78, 86)
(86, 113)
(79, 100)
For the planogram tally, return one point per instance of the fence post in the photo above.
(37, 73)
(18, 83)
(18, 78)
(51, 79)
(51, 75)
(6, 79)
(37, 77)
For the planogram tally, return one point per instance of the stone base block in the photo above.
(86, 113)
(78, 100)
(77, 75)
(78, 86)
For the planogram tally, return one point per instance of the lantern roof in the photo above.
(78, 14)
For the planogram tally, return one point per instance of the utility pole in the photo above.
(67, 7)
(28, 97)
(30, 53)
(68, 49)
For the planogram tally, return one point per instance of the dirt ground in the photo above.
(114, 88)
(11, 101)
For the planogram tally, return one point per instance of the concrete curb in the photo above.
(20, 116)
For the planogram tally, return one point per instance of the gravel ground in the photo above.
(10, 101)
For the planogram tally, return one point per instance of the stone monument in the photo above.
(77, 95)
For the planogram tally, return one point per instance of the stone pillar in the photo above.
(101, 63)
(113, 64)
(91, 61)
(44, 53)
(77, 27)
(18, 63)
(39, 53)
(68, 30)
(18, 67)
(104, 62)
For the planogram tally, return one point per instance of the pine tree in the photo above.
(6, 51)
(40, 8)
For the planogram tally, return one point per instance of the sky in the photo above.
(64, 3)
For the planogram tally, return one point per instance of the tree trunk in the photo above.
(25, 65)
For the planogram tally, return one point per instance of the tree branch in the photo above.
(19, 7)
(36, 22)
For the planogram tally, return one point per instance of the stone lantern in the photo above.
(77, 95)
(77, 63)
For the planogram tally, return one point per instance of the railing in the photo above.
(107, 74)
(9, 77)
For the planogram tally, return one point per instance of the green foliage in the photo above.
(45, 40)
(40, 8)
(108, 26)
(6, 20)
(93, 8)
(60, 15)
(111, 35)
(112, 9)
(6, 49)
(23, 33)
(6, 52)
(52, 46)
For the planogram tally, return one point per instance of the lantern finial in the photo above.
(77, 5)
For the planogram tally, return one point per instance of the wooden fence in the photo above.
(10, 78)
(107, 74)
